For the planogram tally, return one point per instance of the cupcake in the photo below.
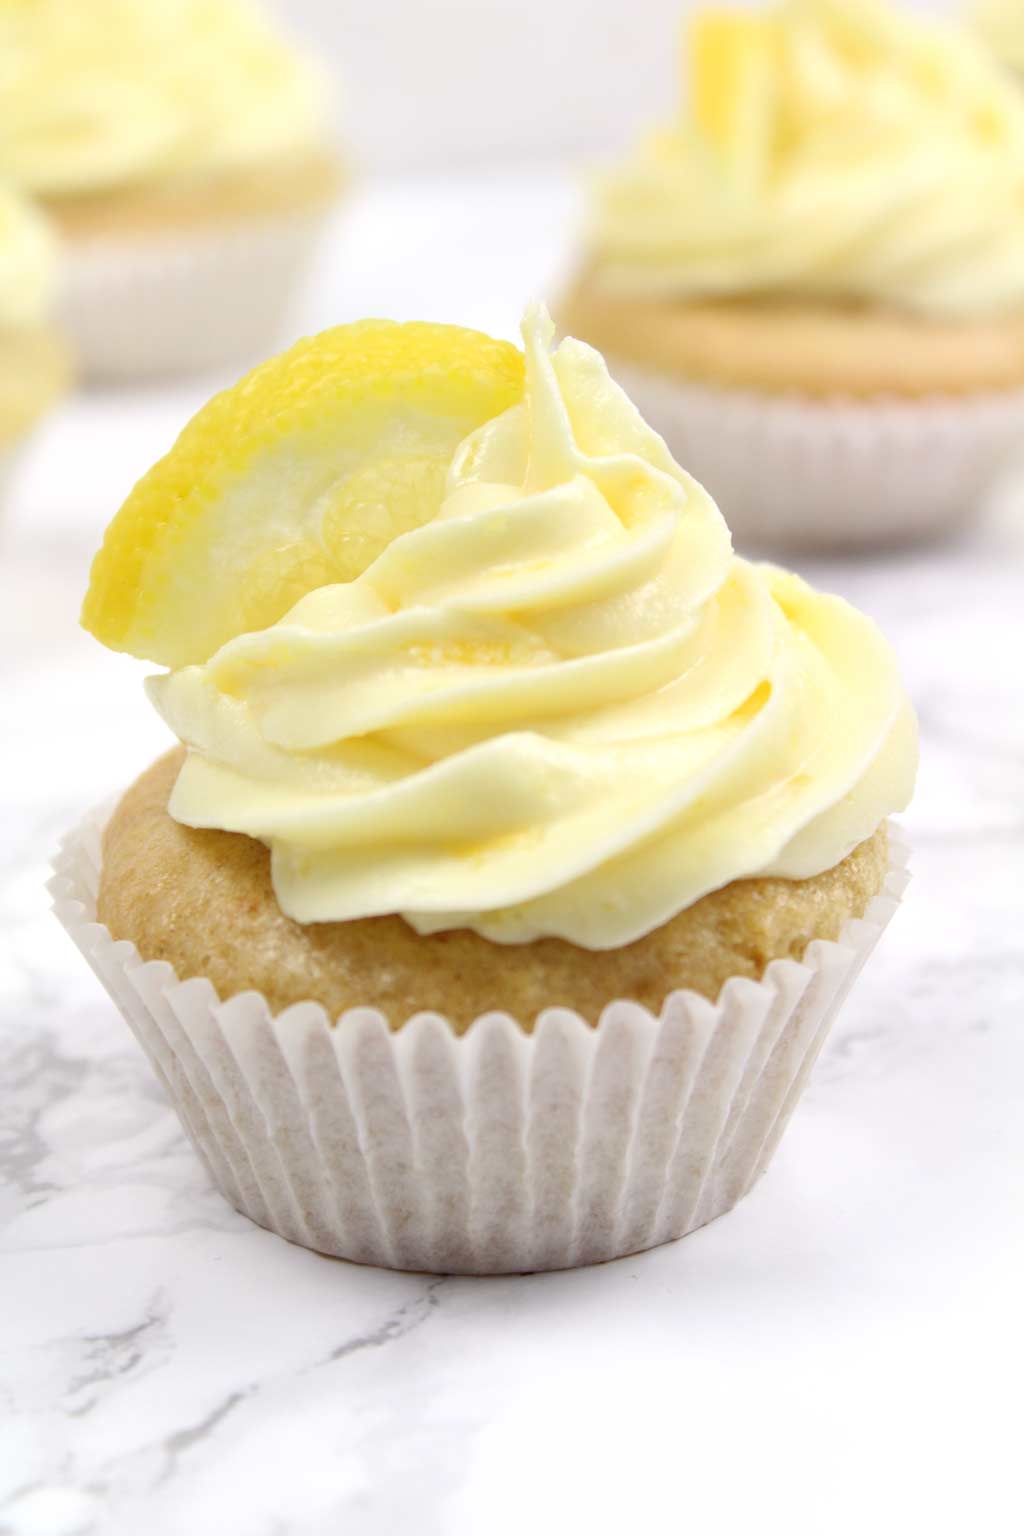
(521, 840)
(33, 359)
(813, 282)
(181, 148)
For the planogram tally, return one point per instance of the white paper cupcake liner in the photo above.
(491, 1152)
(183, 302)
(833, 474)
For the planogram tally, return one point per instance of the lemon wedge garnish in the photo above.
(298, 476)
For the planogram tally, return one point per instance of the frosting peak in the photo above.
(111, 93)
(828, 147)
(561, 707)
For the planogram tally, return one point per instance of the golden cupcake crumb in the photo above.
(296, 184)
(798, 346)
(203, 901)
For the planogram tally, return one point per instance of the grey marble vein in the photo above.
(412, 1315)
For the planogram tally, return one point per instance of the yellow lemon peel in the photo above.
(297, 476)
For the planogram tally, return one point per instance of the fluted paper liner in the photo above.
(149, 305)
(495, 1151)
(838, 474)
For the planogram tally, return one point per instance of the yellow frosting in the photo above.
(561, 707)
(98, 95)
(835, 148)
(28, 264)
(1001, 24)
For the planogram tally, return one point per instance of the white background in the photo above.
(426, 84)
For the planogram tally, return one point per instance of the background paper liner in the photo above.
(793, 473)
(490, 1152)
(184, 301)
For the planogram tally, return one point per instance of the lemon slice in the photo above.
(733, 59)
(298, 476)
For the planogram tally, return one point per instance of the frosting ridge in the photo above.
(1001, 25)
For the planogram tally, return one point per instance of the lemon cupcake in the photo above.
(523, 839)
(182, 150)
(813, 282)
(33, 359)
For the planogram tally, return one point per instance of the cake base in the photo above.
(203, 902)
(803, 347)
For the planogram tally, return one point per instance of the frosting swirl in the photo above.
(28, 264)
(833, 148)
(99, 96)
(562, 707)
(1001, 25)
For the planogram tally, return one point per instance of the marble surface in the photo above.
(842, 1349)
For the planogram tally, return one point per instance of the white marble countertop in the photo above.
(842, 1351)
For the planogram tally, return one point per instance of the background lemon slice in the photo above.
(297, 476)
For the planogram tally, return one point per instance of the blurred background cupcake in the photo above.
(181, 148)
(813, 280)
(33, 360)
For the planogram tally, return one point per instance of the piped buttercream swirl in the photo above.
(563, 707)
(113, 93)
(830, 148)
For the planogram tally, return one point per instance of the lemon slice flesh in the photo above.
(299, 475)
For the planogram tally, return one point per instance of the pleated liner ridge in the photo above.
(491, 1152)
(146, 307)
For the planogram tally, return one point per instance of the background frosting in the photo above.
(832, 147)
(101, 94)
(1001, 24)
(28, 264)
(562, 707)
